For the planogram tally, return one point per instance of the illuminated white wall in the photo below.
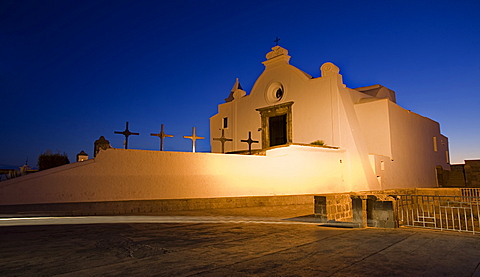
(119, 174)
(403, 142)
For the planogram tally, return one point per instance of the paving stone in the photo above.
(248, 242)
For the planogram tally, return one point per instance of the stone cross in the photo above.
(249, 141)
(276, 41)
(194, 138)
(162, 136)
(126, 133)
(223, 139)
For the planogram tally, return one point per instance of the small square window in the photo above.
(225, 122)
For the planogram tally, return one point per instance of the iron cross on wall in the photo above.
(249, 141)
(162, 136)
(126, 133)
(194, 138)
(223, 139)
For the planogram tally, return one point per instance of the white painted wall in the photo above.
(403, 141)
(118, 174)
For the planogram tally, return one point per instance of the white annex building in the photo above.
(369, 143)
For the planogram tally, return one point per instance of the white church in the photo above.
(372, 140)
(308, 135)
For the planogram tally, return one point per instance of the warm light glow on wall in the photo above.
(284, 170)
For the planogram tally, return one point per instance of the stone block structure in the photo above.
(460, 175)
(333, 207)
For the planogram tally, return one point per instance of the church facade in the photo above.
(383, 143)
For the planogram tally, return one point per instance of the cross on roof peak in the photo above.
(276, 41)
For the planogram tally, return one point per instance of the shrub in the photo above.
(318, 142)
(48, 160)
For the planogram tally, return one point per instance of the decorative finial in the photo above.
(276, 41)
(276, 51)
(233, 94)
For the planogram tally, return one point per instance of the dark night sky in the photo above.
(71, 71)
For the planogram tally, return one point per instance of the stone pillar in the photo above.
(383, 215)
(321, 208)
(374, 211)
(359, 210)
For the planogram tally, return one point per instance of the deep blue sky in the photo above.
(71, 71)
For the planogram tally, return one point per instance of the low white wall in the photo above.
(118, 174)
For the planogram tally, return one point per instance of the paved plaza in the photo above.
(281, 241)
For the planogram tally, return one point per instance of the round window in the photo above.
(279, 93)
(275, 92)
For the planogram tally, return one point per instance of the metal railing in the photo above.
(455, 213)
(471, 192)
